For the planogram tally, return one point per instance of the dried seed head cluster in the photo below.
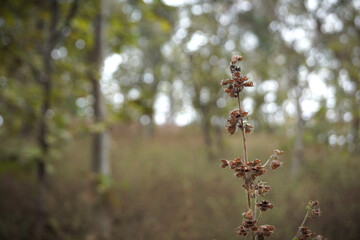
(233, 88)
(235, 121)
(238, 82)
(264, 205)
(256, 189)
(304, 233)
(265, 231)
(248, 171)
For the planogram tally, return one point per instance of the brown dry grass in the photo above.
(165, 188)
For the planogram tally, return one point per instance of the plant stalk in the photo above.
(272, 155)
(303, 222)
(243, 131)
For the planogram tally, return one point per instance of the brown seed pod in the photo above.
(315, 213)
(254, 163)
(249, 84)
(248, 128)
(314, 203)
(262, 189)
(224, 163)
(264, 205)
(275, 164)
(249, 223)
(278, 152)
(265, 230)
(231, 129)
(235, 59)
(243, 114)
(248, 215)
(242, 231)
(224, 82)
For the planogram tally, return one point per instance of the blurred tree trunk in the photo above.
(356, 127)
(298, 152)
(206, 128)
(205, 121)
(101, 140)
(45, 80)
(299, 145)
(53, 35)
(219, 139)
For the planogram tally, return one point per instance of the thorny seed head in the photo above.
(224, 163)
(235, 120)
(314, 207)
(242, 231)
(265, 230)
(254, 163)
(313, 204)
(264, 205)
(250, 224)
(237, 83)
(257, 171)
(262, 189)
(235, 163)
(305, 233)
(315, 213)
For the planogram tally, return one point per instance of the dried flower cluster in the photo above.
(244, 169)
(304, 233)
(237, 83)
(249, 172)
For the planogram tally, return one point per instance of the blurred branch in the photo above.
(59, 35)
(71, 14)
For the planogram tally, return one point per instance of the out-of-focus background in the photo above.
(112, 117)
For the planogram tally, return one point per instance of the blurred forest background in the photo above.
(112, 117)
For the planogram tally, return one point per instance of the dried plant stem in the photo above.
(248, 199)
(272, 155)
(258, 220)
(244, 144)
(245, 154)
(303, 222)
(255, 209)
(245, 169)
(243, 131)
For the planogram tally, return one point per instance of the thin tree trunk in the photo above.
(46, 81)
(100, 160)
(205, 121)
(219, 140)
(356, 127)
(206, 128)
(299, 145)
(101, 140)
